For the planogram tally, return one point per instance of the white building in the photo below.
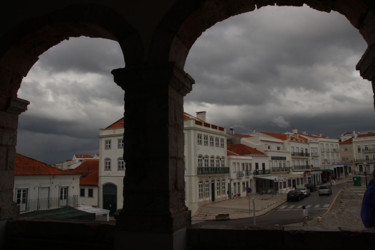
(89, 182)
(38, 186)
(76, 160)
(206, 166)
(111, 166)
(364, 152)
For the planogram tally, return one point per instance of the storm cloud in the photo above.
(274, 69)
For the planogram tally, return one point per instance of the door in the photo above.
(110, 198)
(43, 198)
(213, 191)
(63, 202)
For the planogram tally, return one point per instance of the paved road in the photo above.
(288, 213)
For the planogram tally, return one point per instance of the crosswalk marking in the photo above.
(295, 207)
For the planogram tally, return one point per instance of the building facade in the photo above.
(206, 164)
(39, 186)
(111, 166)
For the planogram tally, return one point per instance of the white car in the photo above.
(325, 190)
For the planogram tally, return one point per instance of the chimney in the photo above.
(201, 115)
(295, 131)
(231, 131)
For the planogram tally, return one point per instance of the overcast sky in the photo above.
(273, 70)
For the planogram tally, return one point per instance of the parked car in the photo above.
(311, 187)
(305, 191)
(294, 195)
(325, 190)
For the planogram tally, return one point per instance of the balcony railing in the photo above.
(282, 169)
(314, 154)
(368, 161)
(48, 203)
(212, 170)
(300, 154)
(259, 172)
(301, 167)
(249, 172)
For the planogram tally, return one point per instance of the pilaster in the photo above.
(8, 139)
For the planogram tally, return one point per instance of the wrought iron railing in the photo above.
(260, 171)
(212, 170)
(281, 169)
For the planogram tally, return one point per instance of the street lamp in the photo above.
(365, 163)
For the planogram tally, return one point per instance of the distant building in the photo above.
(206, 167)
(76, 160)
(39, 186)
(111, 166)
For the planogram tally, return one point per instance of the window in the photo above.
(223, 186)
(218, 187)
(21, 198)
(207, 189)
(206, 161)
(107, 144)
(200, 161)
(217, 161)
(120, 164)
(91, 192)
(256, 166)
(278, 147)
(64, 193)
(222, 142)
(82, 192)
(222, 162)
(205, 138)
(107, 164)
(199, 137)
(359, 148)
(366, 148)
(212, 161)
(243, 186)
(200, 188)
(217, 142)
(120, 143)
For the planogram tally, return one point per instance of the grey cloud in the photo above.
(83, 55)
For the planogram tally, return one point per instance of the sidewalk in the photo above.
(239, 208)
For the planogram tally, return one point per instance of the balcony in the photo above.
(301, 167)
(249, 172)
(314, 154)
(212, 170)
(282, 169)
(260, 172)
(300, 154)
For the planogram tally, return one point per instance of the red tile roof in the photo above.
(83, 156)
(92, 179)
(350, 140)
(231, 153)
(242, 149)
(366, 135)
(87, 167)
(117, 124)
(276, 135)
(27, 166)
(242, 135)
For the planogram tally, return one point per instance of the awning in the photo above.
(273, 178)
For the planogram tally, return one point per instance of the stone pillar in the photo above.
(154, 213)
(8, 138)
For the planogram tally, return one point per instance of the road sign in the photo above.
(248, 190)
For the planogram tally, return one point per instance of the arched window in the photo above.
(120, 164)
(200, 161)
(206, 161)
(212, 161)
(107, 164)
(217, 161)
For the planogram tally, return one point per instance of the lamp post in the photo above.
(365, 165)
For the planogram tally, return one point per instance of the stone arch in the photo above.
(23, 45)
(187, 20)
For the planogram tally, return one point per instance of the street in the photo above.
(287, 213)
